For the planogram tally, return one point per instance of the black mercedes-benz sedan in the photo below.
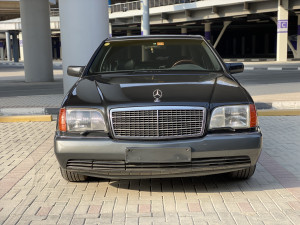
(154, 107)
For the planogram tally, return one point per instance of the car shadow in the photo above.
(204, 184)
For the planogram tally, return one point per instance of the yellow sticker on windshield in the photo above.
(107, 44)
(160, 43)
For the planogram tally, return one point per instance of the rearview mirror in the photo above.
(75, 71)
(235, 67)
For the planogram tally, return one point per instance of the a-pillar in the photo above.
(36, 34)
(146, 19)
(83, 27)
(21, 46)
(183, 30)
(8, 46)
(207, 31)
(298, 37)
(282, 30)
(16, 52)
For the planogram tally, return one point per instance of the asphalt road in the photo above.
(12, 83)
(257, 82)
(264, 82)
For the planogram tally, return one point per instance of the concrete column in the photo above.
(253, 45)
(54, 51)
(83, 27)
(60, 51)
(110, 29)
(183, 30)
(145, 20)
(298, 37)
(129, 32)
(15, 47)
(243, 45)
(266, 50)
(8, 47)
(282, 30)
(226, 24)
(109, 6)
(207, 31)
(21, 46)
(36, 33)
(1, 50)
(234, 46)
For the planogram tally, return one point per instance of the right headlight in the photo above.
(80, 120)
(235, 117)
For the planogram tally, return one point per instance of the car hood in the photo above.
(182, 89)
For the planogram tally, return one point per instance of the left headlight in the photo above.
(81, 120)
(235, 116)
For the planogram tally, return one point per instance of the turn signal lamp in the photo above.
(62, 123)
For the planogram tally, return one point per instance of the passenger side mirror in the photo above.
(75, 71)
(235, 67)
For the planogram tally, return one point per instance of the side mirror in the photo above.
(75, 71)
(235, 67)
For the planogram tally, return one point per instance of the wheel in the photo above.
(71, 176)
(243, 174)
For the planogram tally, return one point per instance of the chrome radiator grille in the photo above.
(157, 122)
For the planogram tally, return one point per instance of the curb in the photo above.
(19, 64)
(272, 68)
(56, 65)
(35, 118)
(278, 105)
(283, 112)
(49, 118)
(23, 111)
(257, 59)
(28, 111)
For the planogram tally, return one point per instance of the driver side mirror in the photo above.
(235, 67)
(75, 71)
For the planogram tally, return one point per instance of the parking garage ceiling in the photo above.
(9, 10)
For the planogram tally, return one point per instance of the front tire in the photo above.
(243, 174)
(72, 176)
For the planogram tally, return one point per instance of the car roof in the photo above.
(147, 37)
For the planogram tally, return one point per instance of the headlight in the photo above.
(81, 120)
(236, 117)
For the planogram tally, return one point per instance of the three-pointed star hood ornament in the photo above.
(157, 94)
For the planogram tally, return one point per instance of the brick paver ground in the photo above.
(32, 190)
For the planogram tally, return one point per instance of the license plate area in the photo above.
(158, 155)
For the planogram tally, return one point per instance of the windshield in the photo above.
(156, 54)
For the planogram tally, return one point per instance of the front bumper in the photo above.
(108, 158)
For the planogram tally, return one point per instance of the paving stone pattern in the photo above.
(32, 190)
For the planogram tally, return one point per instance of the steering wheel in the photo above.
(184, 61)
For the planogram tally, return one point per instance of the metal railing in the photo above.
(158, 3)
(137, 5)
(123, 7)
(54, 11)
